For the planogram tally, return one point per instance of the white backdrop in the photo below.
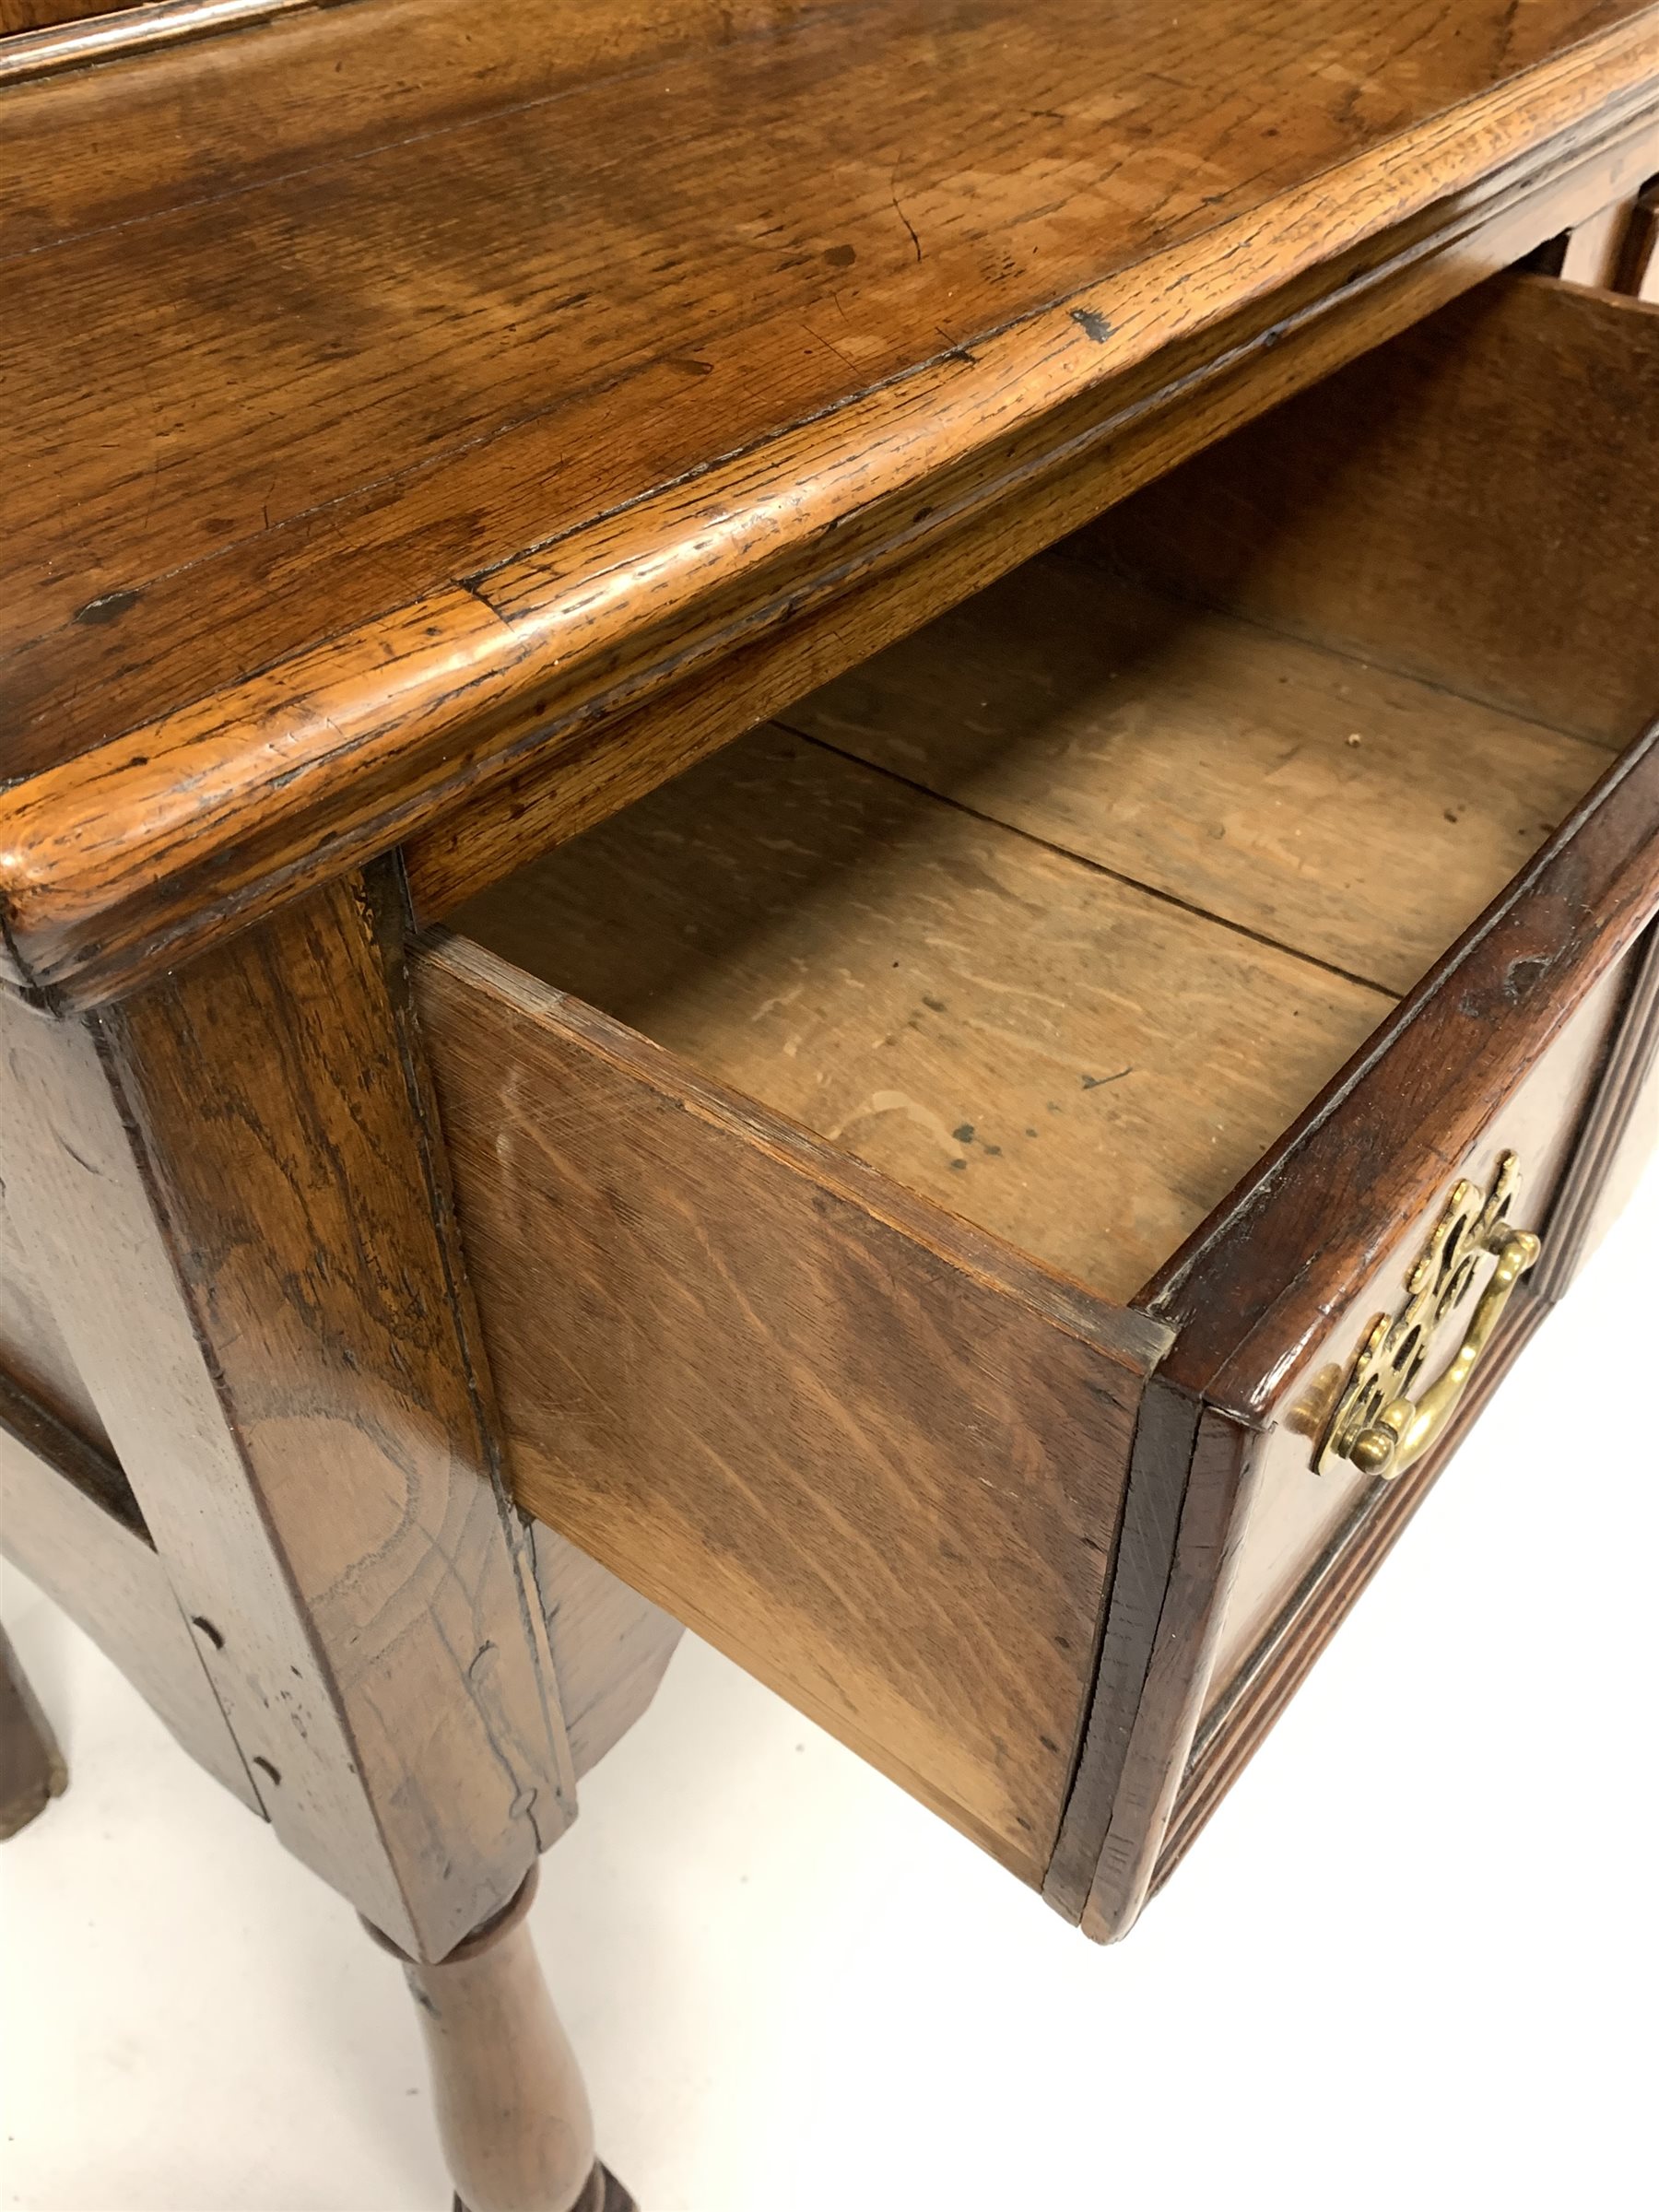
(1411, 1961)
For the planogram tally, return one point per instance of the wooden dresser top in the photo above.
(387, 384)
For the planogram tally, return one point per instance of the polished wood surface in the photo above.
(754, 1379)
(1020, 879)
(229, 1190)
(42, 14)
(580, 776)
(432, 565)
(1297, 1508)
(430, 430)
(1254, 1289)
(512, 2108)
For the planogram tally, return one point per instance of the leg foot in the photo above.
(32, 1767)
(511, 2109)
(603, 2193)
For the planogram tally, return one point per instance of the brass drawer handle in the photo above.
(1404, 1430)
(1382, 1422)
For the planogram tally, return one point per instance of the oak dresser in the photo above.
(834, 820)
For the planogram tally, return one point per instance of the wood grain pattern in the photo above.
(1234, 1728)
(982, 1019)
(1170, 1704)
(1372, 514)
(1364, 1177)
(250, 1260)
(88, 1559)
(507, 813)
(585, 569)
(1295, 1509)
(1254, 1289)
(72, 34)
(610, 1647)
(1356, 818)
(32, 1352)
(752, 1378)
(1621, 1135)
(41, 14)
(512, 2108)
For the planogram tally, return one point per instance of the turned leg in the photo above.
(32, 1767)
(511, 2109)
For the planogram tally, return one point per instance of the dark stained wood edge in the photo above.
(1254, 1289)
(1223, 1465)
(32, 1767)
(1240, 1719)
(127, 30)
(59, 1525)
(1159, 1460)
(1632, 1055)
(1639, 248)
(1134, 1340)
(228, 807)
(38, 1429)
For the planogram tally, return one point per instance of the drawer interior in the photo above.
(1060, 910)
(984, 972)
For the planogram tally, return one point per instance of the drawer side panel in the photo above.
(870, 1467)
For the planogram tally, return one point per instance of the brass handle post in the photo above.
(1404, 1429)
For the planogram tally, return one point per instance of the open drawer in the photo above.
(928, 1173)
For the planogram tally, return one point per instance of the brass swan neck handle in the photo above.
(1383, 1421)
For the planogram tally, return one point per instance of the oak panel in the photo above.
(1476, 504)
(1357, 818)
(1045, 1051)
(795, 470)
(32, 1352)
(610, 1647)
(107, 1577)
(234, 1189)
(755, 1380)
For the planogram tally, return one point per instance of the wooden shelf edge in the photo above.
(227, 808)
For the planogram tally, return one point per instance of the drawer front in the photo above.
(1512, 1045)
(872, 1454)
(1306, 1489)
(1316, 1526)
